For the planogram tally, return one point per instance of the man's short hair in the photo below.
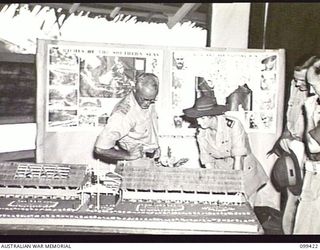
(148, 79)
(308, 63)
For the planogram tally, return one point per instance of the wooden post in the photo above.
(180, 14)
(74, 7)
(229, 25)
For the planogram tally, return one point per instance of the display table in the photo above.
(63, 203)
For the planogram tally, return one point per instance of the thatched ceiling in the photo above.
(154, 24)
(169, 13)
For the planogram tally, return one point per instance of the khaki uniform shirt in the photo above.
(295, 119)
(130, 126)
(229, 140)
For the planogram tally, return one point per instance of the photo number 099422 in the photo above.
(309, 245)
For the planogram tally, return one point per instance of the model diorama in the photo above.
(139, 197)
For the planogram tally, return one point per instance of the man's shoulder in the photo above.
(201, 133)
(123, 106)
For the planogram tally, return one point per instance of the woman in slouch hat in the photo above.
(224, 144)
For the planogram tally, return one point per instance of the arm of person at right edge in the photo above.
(312, 135)
(310, 126)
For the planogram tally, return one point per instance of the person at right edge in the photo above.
(291, 140)
(308, 211)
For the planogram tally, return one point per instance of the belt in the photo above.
(312, 166)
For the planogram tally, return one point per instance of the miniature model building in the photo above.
(41, 179)
(198, 199)
(140, 197)
(145, 174)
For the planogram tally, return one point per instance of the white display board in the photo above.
(78, 85)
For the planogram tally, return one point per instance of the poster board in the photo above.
(78, 86)
(71, 110)
(261, 71)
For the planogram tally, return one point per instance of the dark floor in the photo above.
(270, 219)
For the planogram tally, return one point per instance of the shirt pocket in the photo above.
(141, 130)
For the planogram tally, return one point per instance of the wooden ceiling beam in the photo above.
(194, 9)
(115, 12)
(74, 7)
(168, 10)
(142, 7)
(180, 14)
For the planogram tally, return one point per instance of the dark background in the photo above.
(17, 88)
(290, 26)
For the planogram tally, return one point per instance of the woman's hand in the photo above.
(238, 163)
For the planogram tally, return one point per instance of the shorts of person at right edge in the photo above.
(308, 212)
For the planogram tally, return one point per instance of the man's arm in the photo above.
(311, 128)
(119, 154)
(312, 136)
(117, 127)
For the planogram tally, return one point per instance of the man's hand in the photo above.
(136, 154)
(284, 143)
(180, 162)
(157, 153)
